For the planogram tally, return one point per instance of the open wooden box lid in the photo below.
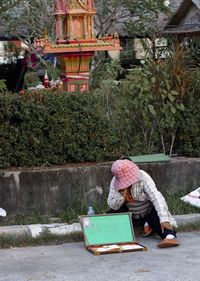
(106, 233)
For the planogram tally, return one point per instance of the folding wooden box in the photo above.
(109, 233)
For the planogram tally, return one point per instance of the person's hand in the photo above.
(166, 225)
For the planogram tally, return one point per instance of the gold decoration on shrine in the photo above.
(83, 2)
(72, 64)
(70, 2)
(77, 3)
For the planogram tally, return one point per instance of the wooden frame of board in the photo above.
(109, 233)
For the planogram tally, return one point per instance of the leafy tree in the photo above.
(154, 96)
(188, 140)
(194, 45)
(28, 19)
(31, 18)
(7, 4)
(146, 17)
(109, 14)
(132, 17)
(5, 7)
(108, 84)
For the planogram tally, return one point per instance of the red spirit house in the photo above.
(76, 42)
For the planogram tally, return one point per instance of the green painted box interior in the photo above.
(149, 158)
(107, 229)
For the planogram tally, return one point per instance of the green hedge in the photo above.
(188, 134)
(48, 127)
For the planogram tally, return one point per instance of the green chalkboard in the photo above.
(107, 229)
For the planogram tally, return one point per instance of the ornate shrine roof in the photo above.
(102, 44)
(75, 30)
(74, 7)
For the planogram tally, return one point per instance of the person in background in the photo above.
(133, 190)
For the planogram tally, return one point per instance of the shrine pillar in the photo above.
(75, 70)
(92, 26)
(60, 26)
(85, 27)
(70, 26)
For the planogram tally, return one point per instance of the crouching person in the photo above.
(133, 190)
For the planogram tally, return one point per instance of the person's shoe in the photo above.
(168, 243)
(147, 231)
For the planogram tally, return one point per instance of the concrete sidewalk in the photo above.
(64, 228)
(72, 262)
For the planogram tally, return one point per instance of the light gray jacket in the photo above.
(142, 190)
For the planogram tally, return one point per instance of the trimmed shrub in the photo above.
(48, 127)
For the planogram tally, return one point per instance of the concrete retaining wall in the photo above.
(52, 189)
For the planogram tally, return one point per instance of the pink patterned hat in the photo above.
(125, 172)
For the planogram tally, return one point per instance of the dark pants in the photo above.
(152, 219)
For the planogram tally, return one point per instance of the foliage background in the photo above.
(152, 108)
(156, 104)
(43, 128)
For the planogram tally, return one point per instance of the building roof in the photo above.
(175, 5)
(186, 20)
